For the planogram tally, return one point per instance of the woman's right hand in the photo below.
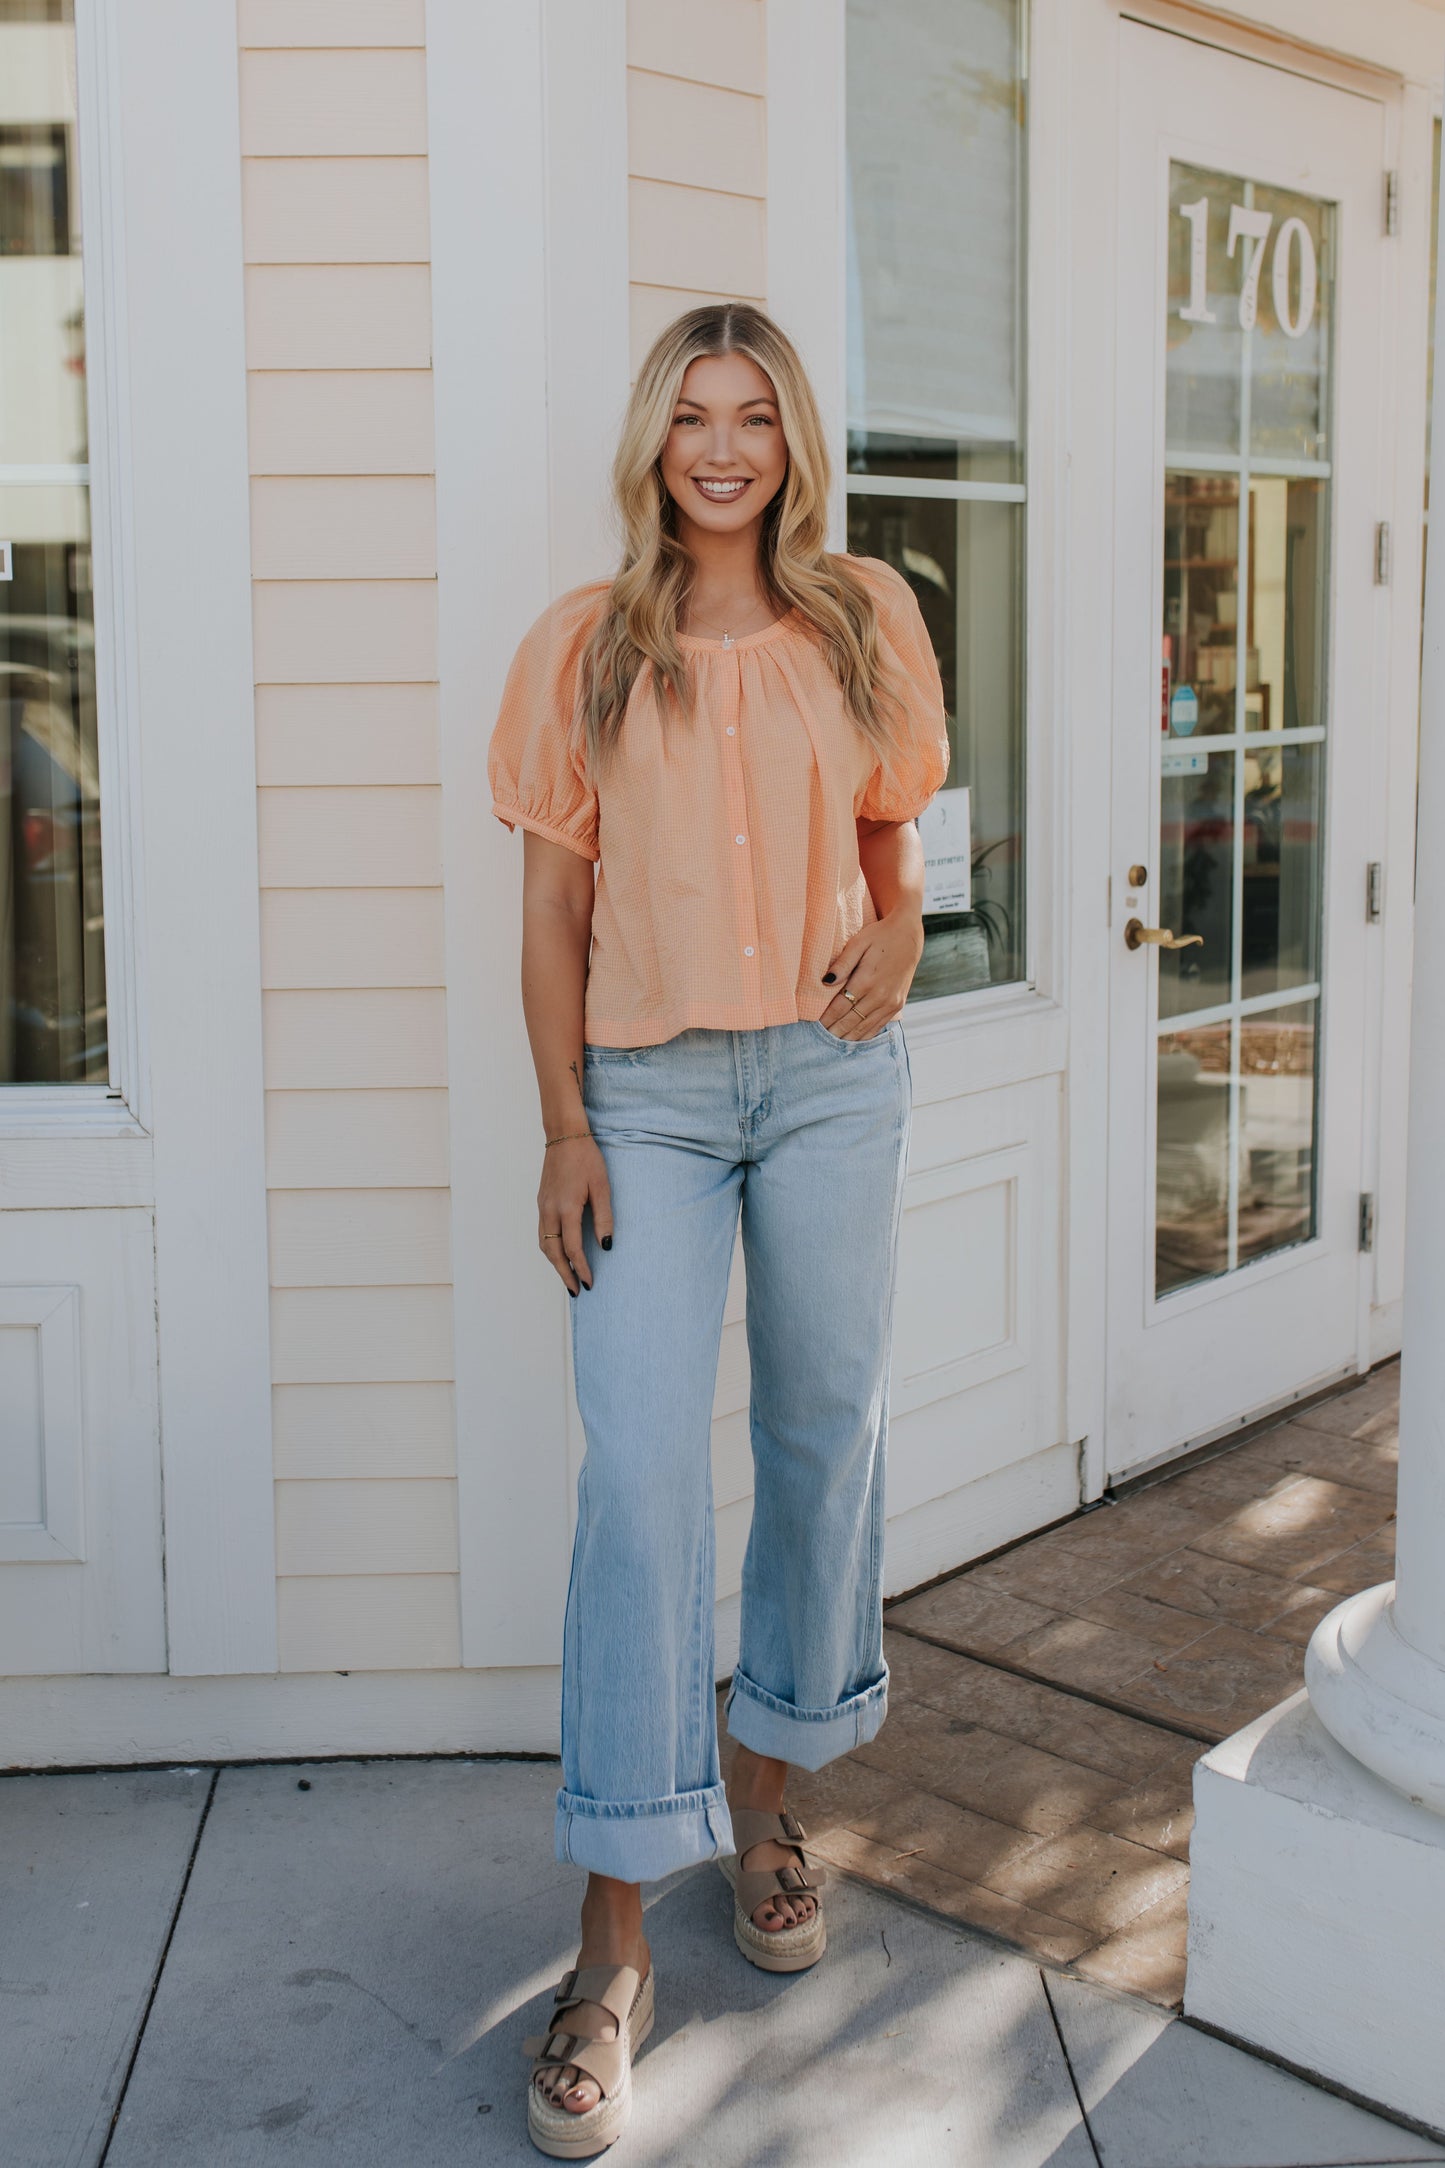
(574, 1175)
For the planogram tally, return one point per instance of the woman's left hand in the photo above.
(876, 968)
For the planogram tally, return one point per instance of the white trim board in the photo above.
(106, 1722)
(1399, 36)
(182, 467)
(528, 162)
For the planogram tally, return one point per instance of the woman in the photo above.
(738, 730)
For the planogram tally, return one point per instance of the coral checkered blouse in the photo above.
(727, 847)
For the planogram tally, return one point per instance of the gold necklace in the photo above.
(727, 637)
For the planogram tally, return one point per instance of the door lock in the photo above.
(1137, 934)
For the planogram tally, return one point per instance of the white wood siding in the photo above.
(343, 531)
(697, 159)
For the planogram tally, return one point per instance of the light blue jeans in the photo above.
(807, 1134)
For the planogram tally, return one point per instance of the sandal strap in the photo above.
(604, 2060)
(757, 1885)
(751, 1826)
(613, 1988)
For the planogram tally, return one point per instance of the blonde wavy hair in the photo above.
(651, 588)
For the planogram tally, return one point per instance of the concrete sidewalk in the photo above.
(336, 1964)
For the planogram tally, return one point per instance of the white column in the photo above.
(1317, 1891)
(1376, 1666)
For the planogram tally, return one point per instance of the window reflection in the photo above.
(936, 138)
(52, 948)
(1276, 1123)
(1191, 1229)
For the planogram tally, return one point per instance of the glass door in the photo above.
(1248, 446)
(1243, 713)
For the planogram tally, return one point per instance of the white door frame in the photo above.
(1163, 1393)
(1396, 37)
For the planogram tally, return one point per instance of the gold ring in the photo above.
(551, 1238)
(850, 997)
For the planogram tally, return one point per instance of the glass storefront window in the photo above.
(52, 941)
(936, 480)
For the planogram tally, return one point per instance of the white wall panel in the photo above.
(351, 937)
(329, 1038)
(345, 735)
(338, 316)
(695, 134)
(350, 1335)
(360, 1237)
(361, 1527)
(344, 631)
(708, 41)
(336, 104)
(356, 1139)
(341, 421)
(332, 22)
(343, 527)
(369, 1622)
(335, 210)
(328, 1432)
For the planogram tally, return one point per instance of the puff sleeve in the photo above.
(920, 760)
(537, 776)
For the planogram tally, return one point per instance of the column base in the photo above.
(1316, 1897)
(1379, 1697)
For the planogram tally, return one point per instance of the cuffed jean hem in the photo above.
(809, 1737)
(641, 1840)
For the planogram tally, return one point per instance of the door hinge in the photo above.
(1382, 553)
(1367, 1220)
(1392, 203)
(1374, 892)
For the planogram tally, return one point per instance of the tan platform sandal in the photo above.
(784, 1949)
(630, 2003)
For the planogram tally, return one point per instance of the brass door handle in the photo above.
(1137, 934)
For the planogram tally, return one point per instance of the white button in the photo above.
(747, 952)
(740, 839)
(732, 733)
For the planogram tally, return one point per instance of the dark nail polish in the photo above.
(829, 977)
(607, 1242)
(573, 1293)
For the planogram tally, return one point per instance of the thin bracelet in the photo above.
(572, 1136)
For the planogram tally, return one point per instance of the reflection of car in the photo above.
(52, 974)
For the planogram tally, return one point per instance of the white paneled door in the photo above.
(1251, 287)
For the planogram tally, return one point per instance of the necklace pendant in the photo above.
(727, 639)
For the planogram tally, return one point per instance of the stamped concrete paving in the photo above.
(1034, 1777)
(360, 1947)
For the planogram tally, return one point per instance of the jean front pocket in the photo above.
(854, 1046)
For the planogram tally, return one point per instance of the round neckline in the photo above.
(744, 639)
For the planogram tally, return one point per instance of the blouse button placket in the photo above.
(744, 891)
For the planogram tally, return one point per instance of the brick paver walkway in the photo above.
(1048, 1705)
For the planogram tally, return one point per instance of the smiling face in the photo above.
(725, 455)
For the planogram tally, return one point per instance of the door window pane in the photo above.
(1196, 878)
(1278, 1083)
(1245, 596)
(936, 144)
(1285, 654)
(52, 944)
(1192, 1123)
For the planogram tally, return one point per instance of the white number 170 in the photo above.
(1253, 226)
